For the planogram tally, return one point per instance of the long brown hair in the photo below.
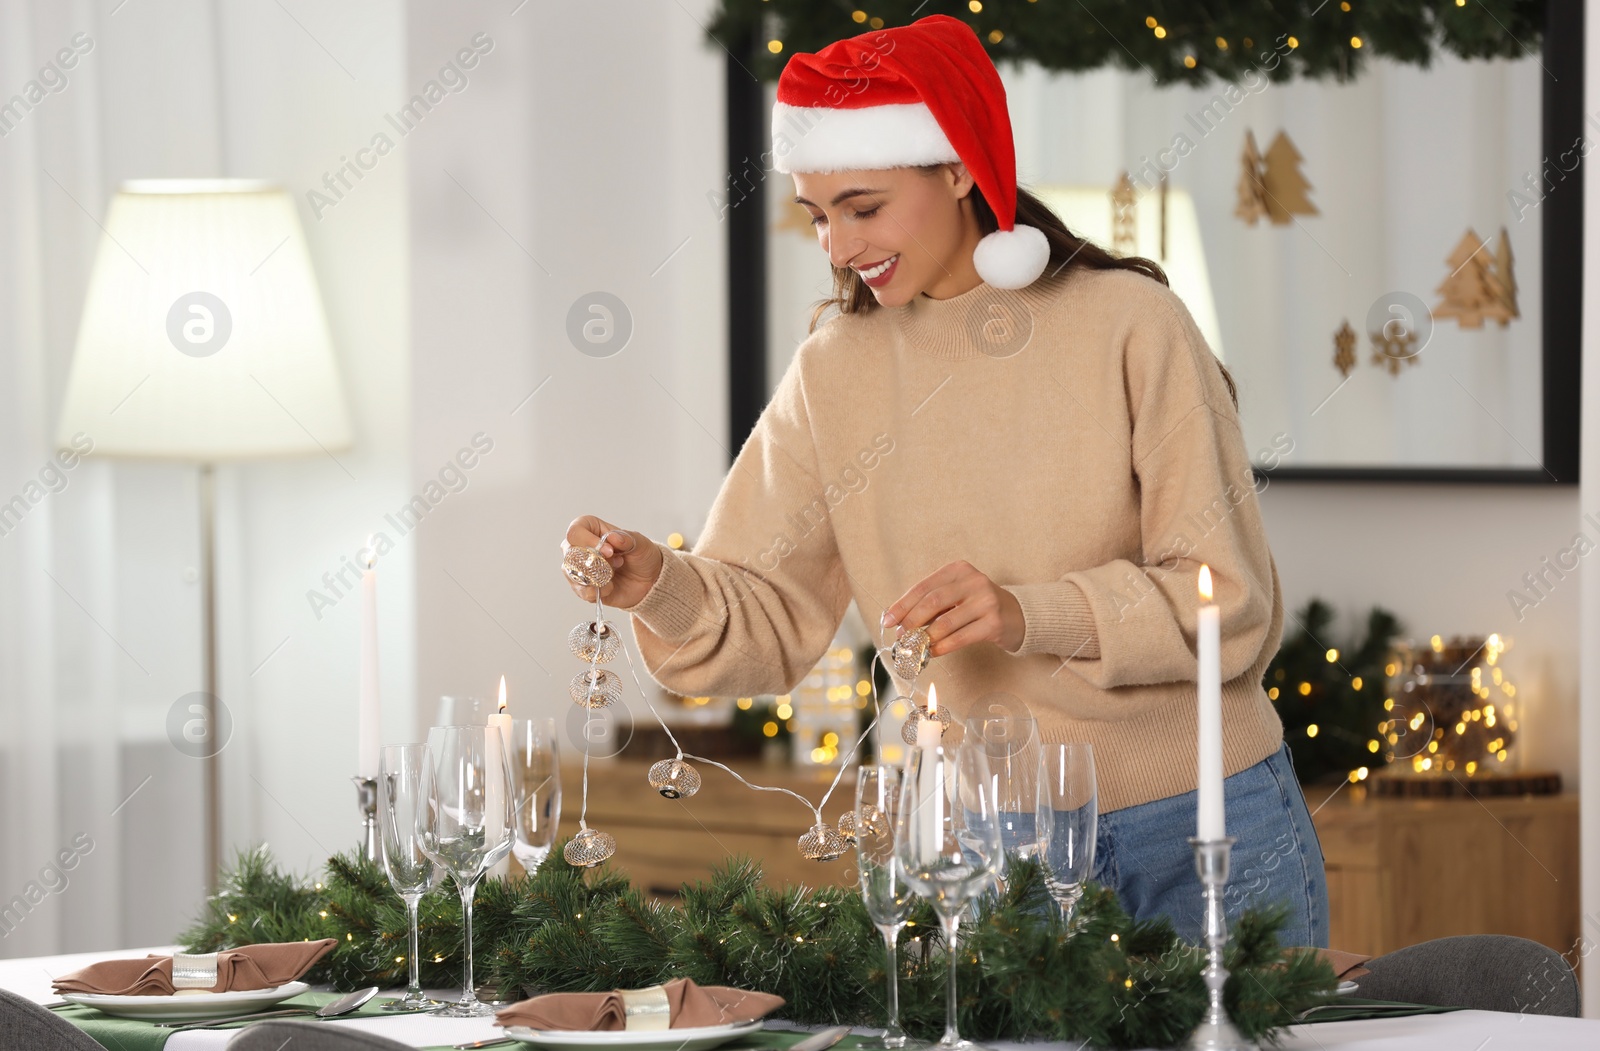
(1068, 251)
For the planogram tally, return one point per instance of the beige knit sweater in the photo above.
(1074, 441)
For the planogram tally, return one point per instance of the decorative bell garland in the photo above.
(596, 641)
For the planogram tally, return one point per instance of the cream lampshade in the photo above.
(203, 336)
(203, 339)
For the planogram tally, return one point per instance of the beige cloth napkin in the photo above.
(1346, 965)
(264, 966)
(692, 1006)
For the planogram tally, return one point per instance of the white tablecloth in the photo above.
(1456, 1031)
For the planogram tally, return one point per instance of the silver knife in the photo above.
(823, 1040)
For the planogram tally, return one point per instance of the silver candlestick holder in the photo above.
(1216, 1031)
(367, 802)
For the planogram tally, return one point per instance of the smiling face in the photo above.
(903, 230)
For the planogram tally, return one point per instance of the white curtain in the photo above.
(100, 816)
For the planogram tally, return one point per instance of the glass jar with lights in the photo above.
(1451, 710)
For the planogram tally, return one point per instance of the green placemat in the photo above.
(1354, 1008)
(765, 1040)
(131, 1034)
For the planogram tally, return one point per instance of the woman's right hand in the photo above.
(635, 561)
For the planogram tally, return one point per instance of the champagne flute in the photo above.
(411, 872)
(1010, 742)
(883, 885)
(947, 838)
(1068, 819)
(466, 824)
(536, 772)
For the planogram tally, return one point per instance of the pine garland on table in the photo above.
(1113, 983)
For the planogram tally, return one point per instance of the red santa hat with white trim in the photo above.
(912, 95)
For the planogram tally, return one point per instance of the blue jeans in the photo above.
(1141, 852)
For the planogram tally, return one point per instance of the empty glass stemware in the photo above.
(411, 872)
(1068, 819)
(1010, 742)
(883, 886)
(947, 838)
(466, 824)
(536, 772)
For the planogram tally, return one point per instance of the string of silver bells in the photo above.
(597, 642)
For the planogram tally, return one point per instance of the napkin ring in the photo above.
(194, 970)
(646, 1009)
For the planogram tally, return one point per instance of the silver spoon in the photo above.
(342, 1006)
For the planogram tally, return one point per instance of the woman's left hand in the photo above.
(959, 606)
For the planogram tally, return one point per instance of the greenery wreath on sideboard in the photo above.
(1111, 981)
(1183, 42)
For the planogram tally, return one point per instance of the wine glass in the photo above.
(411, 872)
(466, 824)
(1068, 815)
(1010, 742)
(883, 885)
(947, 839)
(536, 772)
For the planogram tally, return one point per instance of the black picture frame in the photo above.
(1561, 295)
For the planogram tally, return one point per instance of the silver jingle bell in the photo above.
(919, 713)
(594, 641)
(822, 843)
(586, 566)
(674, 778)
(589, 848)
(596, 688)
(909, 654)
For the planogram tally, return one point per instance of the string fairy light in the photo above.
(597, 642)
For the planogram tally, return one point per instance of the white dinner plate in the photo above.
(189, 1005)
(696, 1039)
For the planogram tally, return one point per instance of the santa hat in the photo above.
(912, 95)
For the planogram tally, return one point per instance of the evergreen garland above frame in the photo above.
(1113, 982)
(1188, 43)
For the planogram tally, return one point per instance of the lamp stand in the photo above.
(208, 604)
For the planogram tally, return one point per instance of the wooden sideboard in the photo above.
(1400, 871)
(662, 843)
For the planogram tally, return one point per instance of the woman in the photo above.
(1014, 439)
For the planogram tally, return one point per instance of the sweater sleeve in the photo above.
(1197, 505)
(759, 600)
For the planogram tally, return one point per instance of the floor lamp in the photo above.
(203, 340)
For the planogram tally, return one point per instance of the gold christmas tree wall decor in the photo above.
(1479, 286)
(1344, 343)
(1124, 217)
(1285, 184)
(1252, 195)
(1272, 184)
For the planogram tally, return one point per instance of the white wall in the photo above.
(579, 159)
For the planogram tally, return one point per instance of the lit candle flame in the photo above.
(502, 694)
(933, 699)
(1205, 583)
(371, 555)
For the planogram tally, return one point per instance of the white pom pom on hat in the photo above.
(1012, 258)
(907, 96)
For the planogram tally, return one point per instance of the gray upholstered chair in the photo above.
(286, 1035)
(1483, 972)
(25, 1026)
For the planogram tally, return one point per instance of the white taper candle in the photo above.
(1209, 680)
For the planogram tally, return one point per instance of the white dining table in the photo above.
(1454, 1031)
